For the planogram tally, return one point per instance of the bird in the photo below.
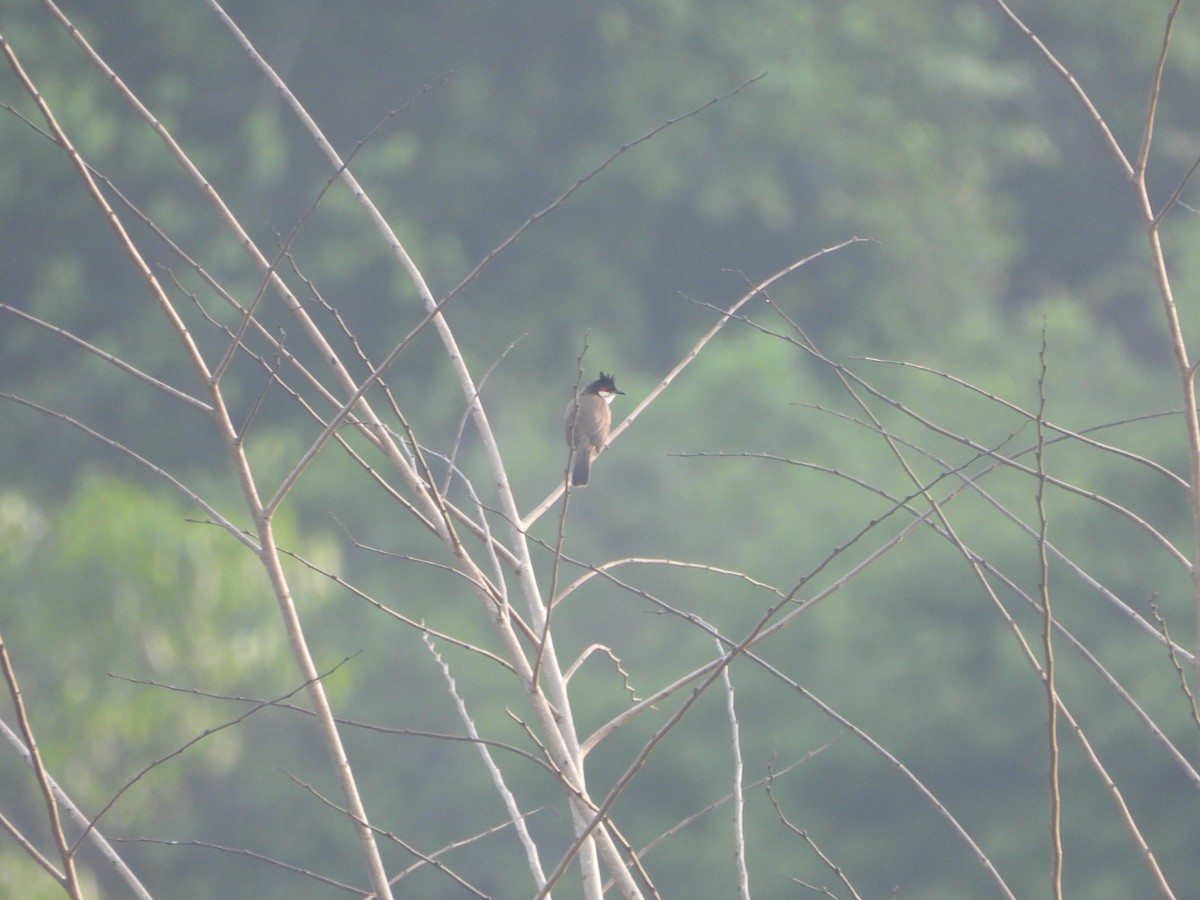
(587, 421)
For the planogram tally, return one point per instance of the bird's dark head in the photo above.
(605, 386)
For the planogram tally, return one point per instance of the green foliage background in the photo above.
(930, 127)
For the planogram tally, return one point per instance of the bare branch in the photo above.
(68, 878)
(1062, 70)
(424, 858)
(1173, 651)
(563, 197)
(183, 748)
(739, 796)
(717, 804)
(1143, 156)
(119, 363)
(506, 795)
(179, 486)
(95, 838)
(351, 723)
(804, 835)
(257, 857)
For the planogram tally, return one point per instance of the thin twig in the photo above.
(565, 195)
(804, 835)
(109, 358)
(187, 745)
(718, 803)
(162, 473)
(348, 722)
(424, 858)
(1173, 653)
(561, 534)
(253, 855)
(1143, 157)
(1048, 666)
(1076, 87)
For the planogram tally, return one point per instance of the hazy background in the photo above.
(931, 127)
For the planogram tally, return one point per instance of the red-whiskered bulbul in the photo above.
(587, 422)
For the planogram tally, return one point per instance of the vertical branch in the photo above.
(68, 878)
(1056, 851)
(1155, 91)
(561, 536)
(739, 798)
(807, 838)
(1183, 360)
